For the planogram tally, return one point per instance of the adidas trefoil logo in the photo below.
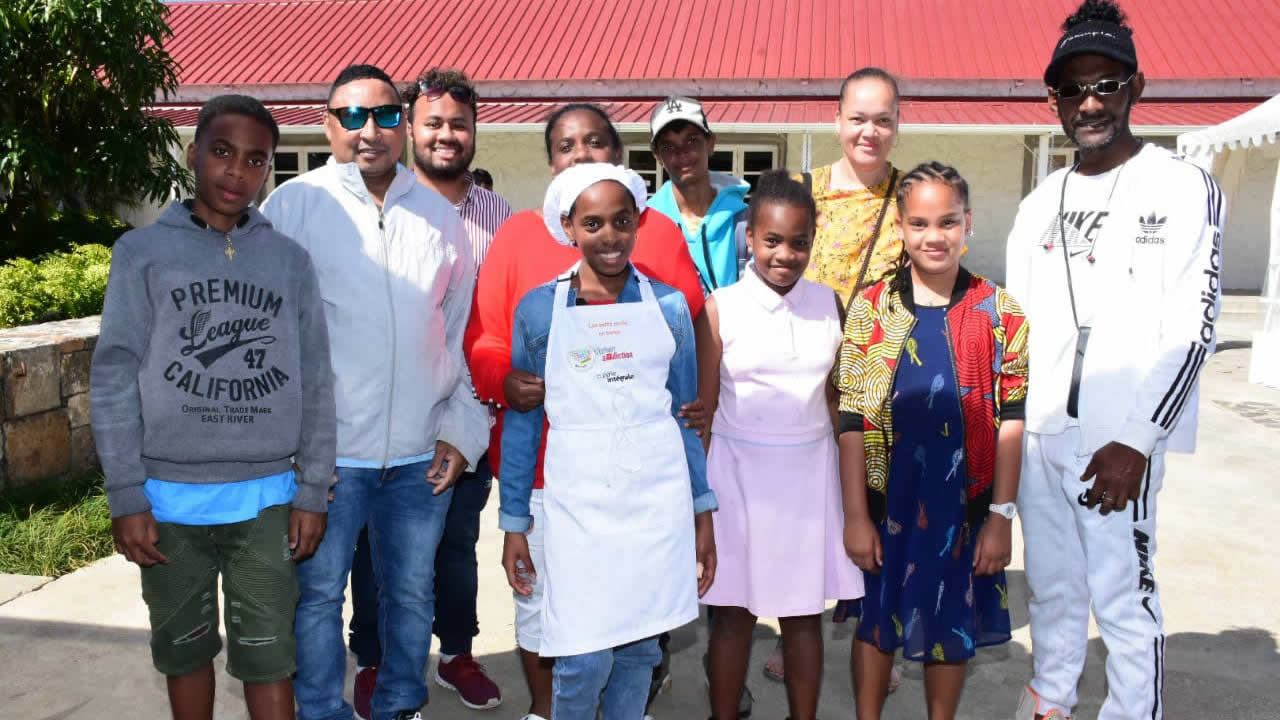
(1150, 229)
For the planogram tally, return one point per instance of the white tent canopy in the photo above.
(1254, 128)
(1222, 149)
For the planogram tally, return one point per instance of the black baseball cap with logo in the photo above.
(1092, 37)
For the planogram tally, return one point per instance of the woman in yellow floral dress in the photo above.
(856, 244)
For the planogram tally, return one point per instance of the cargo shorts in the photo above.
(260, 588)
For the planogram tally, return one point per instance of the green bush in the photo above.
(61, 284)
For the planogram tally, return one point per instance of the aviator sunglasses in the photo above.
(355, 116)
(457, 92)
(1100, 88)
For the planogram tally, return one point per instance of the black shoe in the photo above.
(661, 676)
(745, 703)
(415, 714)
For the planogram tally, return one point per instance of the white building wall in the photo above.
(518, 162)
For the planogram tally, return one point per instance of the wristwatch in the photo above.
(1009, 510)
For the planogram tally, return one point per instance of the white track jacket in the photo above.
(397, 285)
(1151, 294)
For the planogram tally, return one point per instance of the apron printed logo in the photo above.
(581, 358)
(584, 358)
(610, 376)
(604, 328)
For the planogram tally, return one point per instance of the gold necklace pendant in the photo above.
(230, 252)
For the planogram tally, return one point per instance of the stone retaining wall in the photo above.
(44, 401)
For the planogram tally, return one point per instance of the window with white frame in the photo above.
(747, 161)
(290, 162)
(1060, 157)
(1061, 152)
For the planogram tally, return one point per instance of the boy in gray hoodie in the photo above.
(210, 380)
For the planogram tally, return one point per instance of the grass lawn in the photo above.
(54, 528)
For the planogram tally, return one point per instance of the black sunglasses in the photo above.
(457, 92)
(355, 116)
(1100, 88)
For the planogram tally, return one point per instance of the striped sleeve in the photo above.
(483, 212)
(1192, 301)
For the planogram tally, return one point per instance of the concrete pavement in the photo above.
(77, 647)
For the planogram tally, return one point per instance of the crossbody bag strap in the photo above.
(875, 234)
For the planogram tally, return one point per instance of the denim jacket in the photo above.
(522, 432)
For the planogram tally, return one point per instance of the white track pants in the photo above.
(1075, 555)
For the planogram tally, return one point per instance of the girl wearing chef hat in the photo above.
(628, 541)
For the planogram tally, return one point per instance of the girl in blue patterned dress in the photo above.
(933, 378)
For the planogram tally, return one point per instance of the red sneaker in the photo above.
(366, 680)
(468, 678)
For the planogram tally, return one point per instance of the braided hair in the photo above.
(777, 186)
(932, 171)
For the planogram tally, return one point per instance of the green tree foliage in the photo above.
(74, 133)
(59, 285)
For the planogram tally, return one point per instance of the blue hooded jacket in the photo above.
(719, 247)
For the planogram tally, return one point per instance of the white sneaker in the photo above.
(531, 716)
(895, 675)
(1029, 707)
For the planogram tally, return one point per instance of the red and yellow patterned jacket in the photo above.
(988, 336)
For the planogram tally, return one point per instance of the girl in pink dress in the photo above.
(773, 340)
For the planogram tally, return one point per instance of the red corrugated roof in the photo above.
(914, 112)
(309, 41)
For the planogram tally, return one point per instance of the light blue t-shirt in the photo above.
(218, 503)
(394, 462)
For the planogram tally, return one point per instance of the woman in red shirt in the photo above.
(524, 255)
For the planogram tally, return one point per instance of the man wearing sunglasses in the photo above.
(1117, 263)
(442, 127)
(396, 274)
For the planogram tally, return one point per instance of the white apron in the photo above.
(620, 563)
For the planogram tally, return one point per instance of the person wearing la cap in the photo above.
(629, 542)
(709, 207)
(711, 211)
(1116, 262)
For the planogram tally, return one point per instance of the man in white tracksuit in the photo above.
(1117, 262)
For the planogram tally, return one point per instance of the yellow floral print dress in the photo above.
(846, 219)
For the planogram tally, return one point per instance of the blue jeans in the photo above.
(456, 579)
(617, 678)
(456, 583)
(405, 523)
